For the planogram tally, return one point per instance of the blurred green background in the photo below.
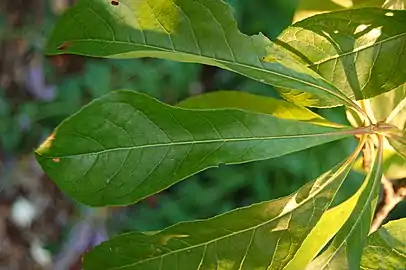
(37, 92)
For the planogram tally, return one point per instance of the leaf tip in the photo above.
(45, 145)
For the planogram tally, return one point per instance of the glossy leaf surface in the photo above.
(386, 248)
(126, 146)
(261, 236)
(200, 31)
(361, 51)
(345, 250)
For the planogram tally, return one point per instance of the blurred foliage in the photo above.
(55, 87)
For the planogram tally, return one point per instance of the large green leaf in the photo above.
(201, 31)
(361, 51)
(345, 250)
(254, 103)
(126, 146)
(261, 236)
(386, 248)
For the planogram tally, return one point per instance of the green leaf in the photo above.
(200, 31)
(361, 51)
(386, 248)
(261, 236)
(254, 103)
(126, 146)
(345, 250)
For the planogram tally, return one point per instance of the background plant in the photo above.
(97, 156)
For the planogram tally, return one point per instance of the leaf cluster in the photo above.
(126, 146)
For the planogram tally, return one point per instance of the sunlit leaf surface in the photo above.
(361, 51)
(200, 31)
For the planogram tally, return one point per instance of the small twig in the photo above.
(367, 159)
(393, 193)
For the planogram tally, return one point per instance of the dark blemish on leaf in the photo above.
(65, 45)
(56, 159)
(115, 2)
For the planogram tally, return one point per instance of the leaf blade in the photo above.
(346, 247)
(113, 147)
(200, 31)
(360, 51)
(260, 236)
(386, 247)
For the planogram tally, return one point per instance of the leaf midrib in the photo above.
(341, 98)
(192, 142)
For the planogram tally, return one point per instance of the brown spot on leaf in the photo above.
(56, 159)
(65, 45)
(115, 2)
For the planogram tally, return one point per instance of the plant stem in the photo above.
(364, 112)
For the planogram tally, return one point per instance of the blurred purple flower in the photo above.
(36, 82)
